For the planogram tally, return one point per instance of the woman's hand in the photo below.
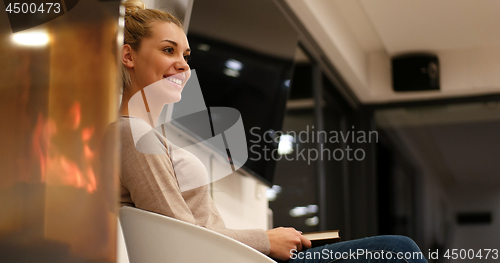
(283, 240)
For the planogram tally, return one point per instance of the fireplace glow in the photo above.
(57, 168)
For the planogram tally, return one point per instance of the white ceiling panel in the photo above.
(433, 25)
(359, 38)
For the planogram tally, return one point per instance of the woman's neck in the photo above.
(137, 105)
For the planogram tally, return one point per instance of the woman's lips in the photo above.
(176, 80)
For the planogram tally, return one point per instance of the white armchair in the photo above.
(151, 238)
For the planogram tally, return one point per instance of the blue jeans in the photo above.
(389, 249)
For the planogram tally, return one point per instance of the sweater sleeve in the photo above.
(148, 181)
(206, 214)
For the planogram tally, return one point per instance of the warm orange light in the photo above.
(60, 169)
(40, 145)
(92, 185)
(75, 115)
(88, 153)
(66, 172)
(87, 133)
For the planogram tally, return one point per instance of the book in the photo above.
(323, 237)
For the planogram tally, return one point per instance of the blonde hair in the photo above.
(138, 22)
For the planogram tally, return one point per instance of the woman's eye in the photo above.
(187, 57)
(169, 50)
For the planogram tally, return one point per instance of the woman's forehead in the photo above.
(166, 31)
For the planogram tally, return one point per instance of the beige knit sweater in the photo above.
(148, 181)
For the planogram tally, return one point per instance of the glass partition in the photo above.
(58, 166)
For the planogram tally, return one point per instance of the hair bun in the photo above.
(132, 6)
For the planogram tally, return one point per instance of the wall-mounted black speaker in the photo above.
(415, 72)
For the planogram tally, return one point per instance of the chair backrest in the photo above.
(121, 250)
(151, 238)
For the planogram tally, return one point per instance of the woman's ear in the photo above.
(127, 56)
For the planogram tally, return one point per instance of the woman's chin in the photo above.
(178, 99)
(173, 98)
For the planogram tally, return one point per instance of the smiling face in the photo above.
(161, 57)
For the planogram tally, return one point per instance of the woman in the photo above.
(155, 69)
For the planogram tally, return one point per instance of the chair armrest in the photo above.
(152, 237)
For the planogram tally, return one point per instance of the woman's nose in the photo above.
(181, 65)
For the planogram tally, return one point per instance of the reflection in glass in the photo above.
(58, 185)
